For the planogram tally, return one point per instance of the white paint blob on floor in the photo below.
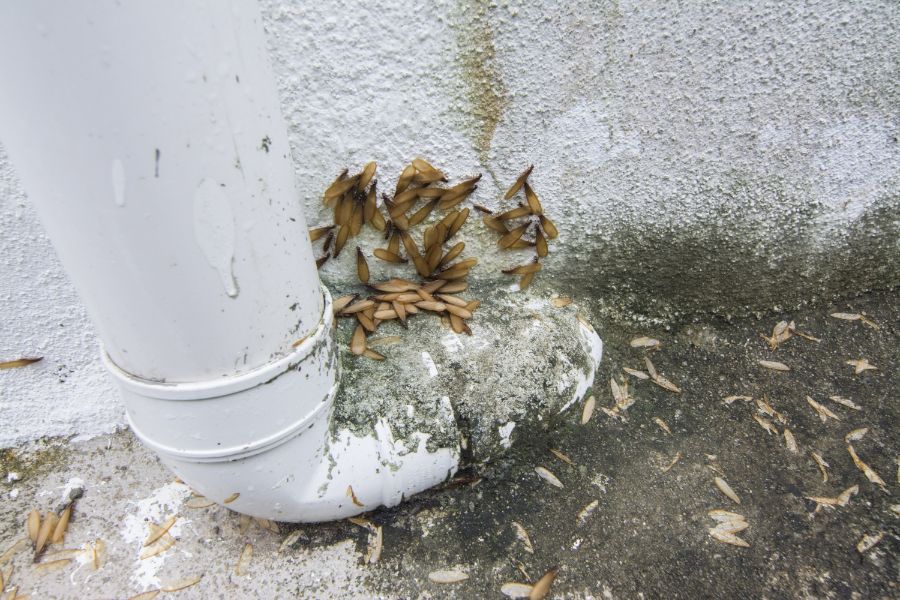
(162, 503)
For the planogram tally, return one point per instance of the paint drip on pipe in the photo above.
(214, 230)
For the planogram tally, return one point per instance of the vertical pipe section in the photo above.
(149, 137)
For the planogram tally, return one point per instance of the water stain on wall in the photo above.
(484, 94)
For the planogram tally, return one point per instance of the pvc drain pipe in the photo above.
(261, 441)
(149, 137)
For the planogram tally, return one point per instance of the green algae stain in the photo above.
(485, 94)
(42, 457)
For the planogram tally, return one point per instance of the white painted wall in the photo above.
(41, 315)
(703, 154)
(677, 144)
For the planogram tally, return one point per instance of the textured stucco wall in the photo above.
(699, 156)
(696, 156)
(41, 315)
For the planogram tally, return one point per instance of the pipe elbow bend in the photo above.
(263, 443)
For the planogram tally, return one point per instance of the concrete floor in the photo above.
(648, 536)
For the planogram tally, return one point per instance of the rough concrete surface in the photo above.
(499, 391)
(648, 536)
(713, 168)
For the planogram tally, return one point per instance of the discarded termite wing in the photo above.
(422, 198)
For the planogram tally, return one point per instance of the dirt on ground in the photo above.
(632, 518)
(649, 534)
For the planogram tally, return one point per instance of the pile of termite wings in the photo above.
(455, 371)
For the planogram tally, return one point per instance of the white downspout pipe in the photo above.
(149, 137)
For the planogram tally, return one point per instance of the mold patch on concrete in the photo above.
(667, 271)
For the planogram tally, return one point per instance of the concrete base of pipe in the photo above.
(264, 443)
(282, 443)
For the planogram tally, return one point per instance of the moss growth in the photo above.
(41, 457)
